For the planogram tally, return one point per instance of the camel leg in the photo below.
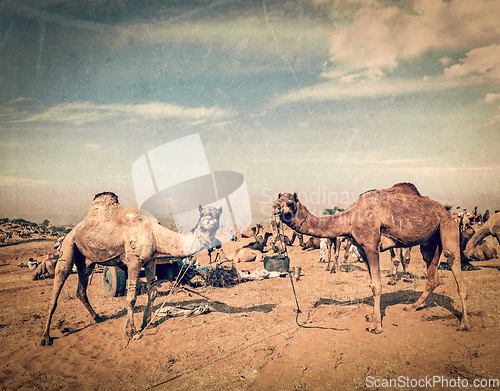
(405, 260)
(84, 273)
(134, 269)
(150, 269)
(63, 270)
(431, 252)
(394, 267)
(334, 242)
(451, 246)
(372, 260)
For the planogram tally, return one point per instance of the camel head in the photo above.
(285, 207)
(209, 217)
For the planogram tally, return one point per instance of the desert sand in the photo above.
(250, 338)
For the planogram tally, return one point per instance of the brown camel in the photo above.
(381, 219)
(491, 227)
(260, 242)
(313, 243)
(110, 235)
(399, 256)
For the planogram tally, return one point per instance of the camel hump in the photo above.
(107, 197)
(407, 188)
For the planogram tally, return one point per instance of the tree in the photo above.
(45, 223)
(448, 208)
(331, 211)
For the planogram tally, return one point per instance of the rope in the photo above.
(298, 311)
(179, 278)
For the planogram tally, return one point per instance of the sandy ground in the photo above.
(250, 338)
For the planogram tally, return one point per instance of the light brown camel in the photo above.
(491, 227)
(110, 235)
(250, 232)
(379, 220)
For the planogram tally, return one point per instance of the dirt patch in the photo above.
(251, 338)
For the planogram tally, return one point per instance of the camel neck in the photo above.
(327, 226)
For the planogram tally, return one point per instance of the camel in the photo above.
(381, 219)
(490, 227)
(260, 242)
(203, 234)
(396, 259)
(110, 235)
(313, 243)
(250, 232)
(246, 255)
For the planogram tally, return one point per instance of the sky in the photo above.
(326, 98)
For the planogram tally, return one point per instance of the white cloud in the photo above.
(15, 181)
(92, 146)
(79, 113)
(480, 63)
(379, 36)
(490, 98)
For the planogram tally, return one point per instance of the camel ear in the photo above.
(220, 209)
(295, 197)
(200, 208)
(279, 195)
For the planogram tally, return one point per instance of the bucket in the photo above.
(277, 263)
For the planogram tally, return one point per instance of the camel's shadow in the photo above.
(399, 297)
(213, 306)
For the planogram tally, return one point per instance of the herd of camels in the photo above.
(379, 220)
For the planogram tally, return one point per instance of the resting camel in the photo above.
(260, 242)
(313, 243)
(250, 232)
(110, 235)
(246, 255)
(491, 227)
(381, 219)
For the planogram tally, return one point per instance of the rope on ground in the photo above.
(298, 311)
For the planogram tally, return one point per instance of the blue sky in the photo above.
(327, 98)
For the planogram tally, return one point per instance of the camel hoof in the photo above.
(369, 318)
(99, 319)
(45, 341)
(464, 327)
(392, 281)
(374, 329)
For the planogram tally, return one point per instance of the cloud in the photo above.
(446, 170)
(490, 98)
(92, 146)
(336, 89)
(15, 181)
(379, 36)
(480, 63)
(79, 113)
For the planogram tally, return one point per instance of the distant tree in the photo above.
(45, 223)
(448, 208)
(4, 220)
(331, 211)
